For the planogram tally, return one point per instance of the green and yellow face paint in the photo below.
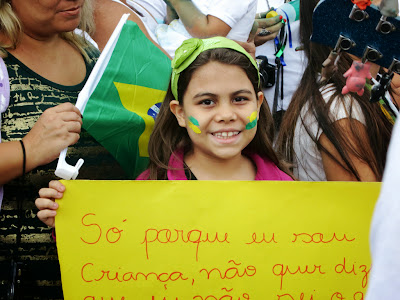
(252, 120)
(193, 124)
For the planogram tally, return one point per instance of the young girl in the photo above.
(327, 135)
(214, 123)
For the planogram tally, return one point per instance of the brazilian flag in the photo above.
(121, 110)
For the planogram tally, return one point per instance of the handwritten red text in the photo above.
(282, 270)
(112, 235)
(291, 297)
(261, 240)
(108, 275)
(194, 236)
(319, 238)
(363, 269)
(231, 272)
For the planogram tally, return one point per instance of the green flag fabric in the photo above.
(120, 112)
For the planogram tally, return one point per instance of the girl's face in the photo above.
(41, 18)
(220, 111)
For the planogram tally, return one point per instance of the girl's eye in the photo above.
(207, 102)
(240, 99)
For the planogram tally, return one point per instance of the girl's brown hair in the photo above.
(168, 136)
(371, 149)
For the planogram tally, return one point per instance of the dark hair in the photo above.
(372, 148)
(168, 136)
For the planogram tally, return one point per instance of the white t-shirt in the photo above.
(384, 279)
(296, 61)
(307, 157)
(239, 15)
(157, 8)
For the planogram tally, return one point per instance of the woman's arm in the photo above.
(196, 23)
(171, 15)
(333, 170)
(57, 128)
(396, 88)
(11, 162)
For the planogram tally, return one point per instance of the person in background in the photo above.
(328, 135)
(202, 19)
(384, 278)
(107, 14)
(279, 95)
(157, 8)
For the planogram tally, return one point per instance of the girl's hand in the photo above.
(46, 204)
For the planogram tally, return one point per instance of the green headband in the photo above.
(191, 48)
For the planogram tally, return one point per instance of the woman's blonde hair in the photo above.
(11, 28)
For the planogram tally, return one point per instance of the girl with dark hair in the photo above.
(327, 135)
(214, 123)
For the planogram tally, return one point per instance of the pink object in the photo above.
(362, 4)
(266, 169)
(356, 78)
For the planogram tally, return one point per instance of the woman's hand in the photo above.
(268, 28)
(57, 128)
(46, 204)
(249, 47)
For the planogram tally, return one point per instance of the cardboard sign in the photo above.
(170, 240)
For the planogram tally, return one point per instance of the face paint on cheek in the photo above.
(193, 124)
(253, 121)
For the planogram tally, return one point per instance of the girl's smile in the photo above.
(226, 137)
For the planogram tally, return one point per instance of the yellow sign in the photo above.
(181, 240)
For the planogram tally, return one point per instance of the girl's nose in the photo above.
(225, 113)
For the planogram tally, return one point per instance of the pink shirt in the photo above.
(266, 169)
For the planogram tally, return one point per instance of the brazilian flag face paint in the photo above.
(193, 124)
(252, 121)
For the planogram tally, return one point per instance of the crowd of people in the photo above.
(215, 122)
